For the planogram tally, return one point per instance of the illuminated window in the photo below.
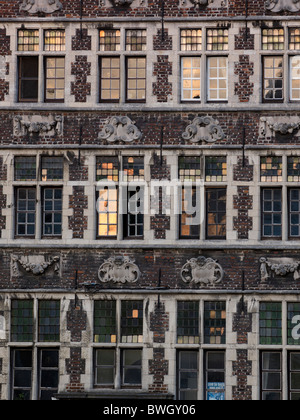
(217, 40)
(55, 79)
(136, 40)
(217, 79)
(273, 39)
(109, 79)
(295, 78)
(271, 169)
(136, 79)
(191, 78)
(55, 40)
(294, 40)
(132, 321)
(191, 39)
(273, 78)
(215, 322)
(28, 40)
(109, 40)
(215, 169)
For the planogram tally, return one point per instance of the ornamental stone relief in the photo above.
(40, 6)
(204, 129)
(269, 127)
(277, 6)
(36, 265)
(119, 270)
(203, 271)
(38, 125)
(281, 267)
(120, 129)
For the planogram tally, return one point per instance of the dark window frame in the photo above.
(17, 211)
(22, 79)
(267, 100)
(217, 237)
(272, 237)
(101, 100)
(290, 213)
(133, 57)
(54, 78)
(263, 370)
(180, 370)
(53, 212)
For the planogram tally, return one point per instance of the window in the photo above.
(294, 38)
(295, 78)
(136, 79)
(189, 219)
(136, 40)
(188, 322)
(120, 325)
(133, 220)
(294, 376)
(52, 211)
(49, 320)
(273, 79)
(110, 79)
(187, 371)
(217, 40)
(217, 79)
(22, 320)
(191, 40)
(270, 323)
(55, 40)
(271, 213)
(131, 367)
(25, 211)
(109, 40)
(215, 169)
(22, 361)
(28, 40)
(25, 168)
(28, 79)
(52, 168)
(105, 367)
(273, 39)
(215, 375)
(190, 78)
(293, 322)
(271, 376)
(132, 321)
(105, 327)
(271, 169)
(49, 374)
(294, 213)
(216, 213)
(55, 79)
(293, 170)
(214, 322)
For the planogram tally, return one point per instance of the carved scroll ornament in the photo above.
(271, 126)
(119, 270)
(280, 268)
(37, 125)
(205, 271)
(120, 129)
(36, 267)
(40, 6)
(283, 5)
(204, 129)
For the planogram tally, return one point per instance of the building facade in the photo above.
(150, 199)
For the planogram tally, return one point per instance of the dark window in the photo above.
(110, 79)
(271, 213)
(136, 79)
(132, 321)
(271, 169)
(21, 374)
(216, 213)
(215, 322)
(22, 320)
(25, 211)
(105, 367)
(215, 375)
(55, 79)
(49, 320)
(25, 168)
(270, 323)
(105, 328)
(52, 211)
(28, 79)
(294, 213)
(293, 324)
(131, 367)
(188, 322)
(215, 169)
(187, 375)
(271, 376)
(273, 79)
(52, 168)
(293, 169)
(133, 220)
(48, 385)
(294, 376)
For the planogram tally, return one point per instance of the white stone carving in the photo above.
(120, 129)
(283, 5)
(204, 3)
(42, 126)
(205, 271)
(204, 129)
(280, 267)
(119, 270)
(40, 6)
(36, 265)
(270, 126)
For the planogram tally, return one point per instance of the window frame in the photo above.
(110, 57)
(17, 211)
(272, 212)
(135, 57)
(52, 57)
(21, 79)
(276, 100)
(207, 190)
(218, 78)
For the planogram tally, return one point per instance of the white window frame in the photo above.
(218, 79)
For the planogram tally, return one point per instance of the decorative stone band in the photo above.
(119, 270)
(205, 271)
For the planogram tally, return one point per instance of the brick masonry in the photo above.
(78, 222)
(162, 69)
(81, 69)
(244, 69)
